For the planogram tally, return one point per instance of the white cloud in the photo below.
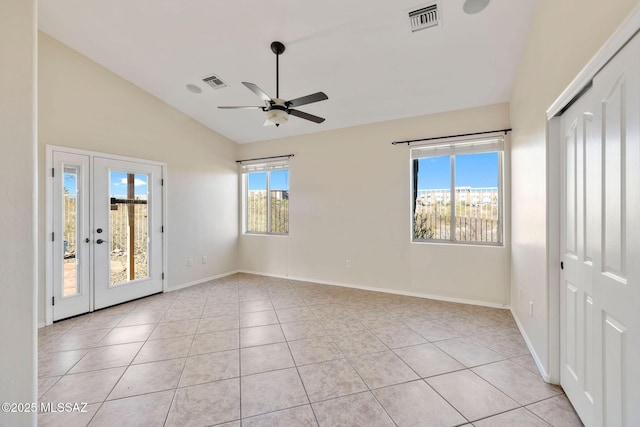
(137, 182)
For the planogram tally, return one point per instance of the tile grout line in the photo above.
(119, 378)
(445, 399)
(369, 390)
(81, 358)
(239, 361)
(315, 417)
(129, 365)
(504, 412)
(420, 378)
(156, 324)
(536, 415)
(175, 391)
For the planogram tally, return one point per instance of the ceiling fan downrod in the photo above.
(278, 49)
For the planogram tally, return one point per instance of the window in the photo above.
(457, 192)
(266, 201)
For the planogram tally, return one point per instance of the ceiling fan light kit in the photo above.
(277, 109)
(277, 116)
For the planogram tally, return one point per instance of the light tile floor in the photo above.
(257, 351)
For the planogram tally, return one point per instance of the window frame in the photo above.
(462, 147)
(267, 168)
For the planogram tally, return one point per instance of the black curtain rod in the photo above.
(265, 158)
(450, 136)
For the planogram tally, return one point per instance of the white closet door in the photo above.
(616, 281)
(600, 304)
(580, 162)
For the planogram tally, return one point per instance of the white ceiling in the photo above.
(361, 53)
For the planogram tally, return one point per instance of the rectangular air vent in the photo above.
(214, 81)
(424, 17)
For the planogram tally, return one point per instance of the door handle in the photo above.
(100, 241)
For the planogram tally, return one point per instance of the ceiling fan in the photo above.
(277, 109)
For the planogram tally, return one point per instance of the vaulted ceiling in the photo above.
(361, 53)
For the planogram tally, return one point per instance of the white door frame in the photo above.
(625, 32)
(49, 282)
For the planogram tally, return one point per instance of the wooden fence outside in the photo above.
(257, 211)
(118, 237)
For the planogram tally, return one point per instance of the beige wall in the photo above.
(563, 38)
(18, 368)
(350, 199)
(83, 105)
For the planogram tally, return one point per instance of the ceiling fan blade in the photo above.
(306, 116)
(241, 108)
(304, 100)
(255, 89)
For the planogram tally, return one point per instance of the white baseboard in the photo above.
(384, 290)
(545, 375)
(197, 282)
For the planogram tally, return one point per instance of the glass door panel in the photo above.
(71, 244)
(70, 230)
(128, 227)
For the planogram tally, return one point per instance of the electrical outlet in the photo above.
(531, 308)
(348, 263)
(204, 259)
(190, 262)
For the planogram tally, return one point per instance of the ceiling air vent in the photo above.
(425, 17)
(214, 81)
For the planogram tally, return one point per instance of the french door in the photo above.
(600, 246)
(106, 231)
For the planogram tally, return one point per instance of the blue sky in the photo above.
(472, 170)
(118, 184)
(279, 180)
(70, 183)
